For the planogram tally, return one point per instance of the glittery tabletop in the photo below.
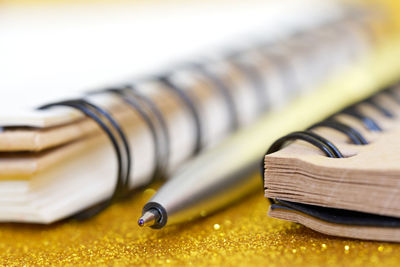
(237, 236)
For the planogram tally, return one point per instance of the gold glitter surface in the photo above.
(238, 236)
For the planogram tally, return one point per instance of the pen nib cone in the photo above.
(149, 218)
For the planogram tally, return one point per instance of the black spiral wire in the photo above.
(119, 142)
(155, 121)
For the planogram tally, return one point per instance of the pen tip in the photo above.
(149, 218)
(141, 222)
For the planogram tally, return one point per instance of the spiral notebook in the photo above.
(341, 176)
(77, 155)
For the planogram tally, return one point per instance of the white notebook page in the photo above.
(55, 52)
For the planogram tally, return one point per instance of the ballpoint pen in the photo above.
(212, 180)
(226, 172)
(223, 174)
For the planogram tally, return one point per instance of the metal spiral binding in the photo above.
(154, 120)
(120, 144)
(255, 78)
(187, 101)
(222, 89)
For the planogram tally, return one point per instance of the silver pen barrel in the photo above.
(208, 183)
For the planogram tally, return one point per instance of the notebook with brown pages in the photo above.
(342, 175)
(77, 155)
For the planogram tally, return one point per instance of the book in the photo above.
(340, 176)
(77, 155)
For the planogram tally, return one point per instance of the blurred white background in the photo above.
(49, 51)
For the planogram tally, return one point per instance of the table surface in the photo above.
(241, 234)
